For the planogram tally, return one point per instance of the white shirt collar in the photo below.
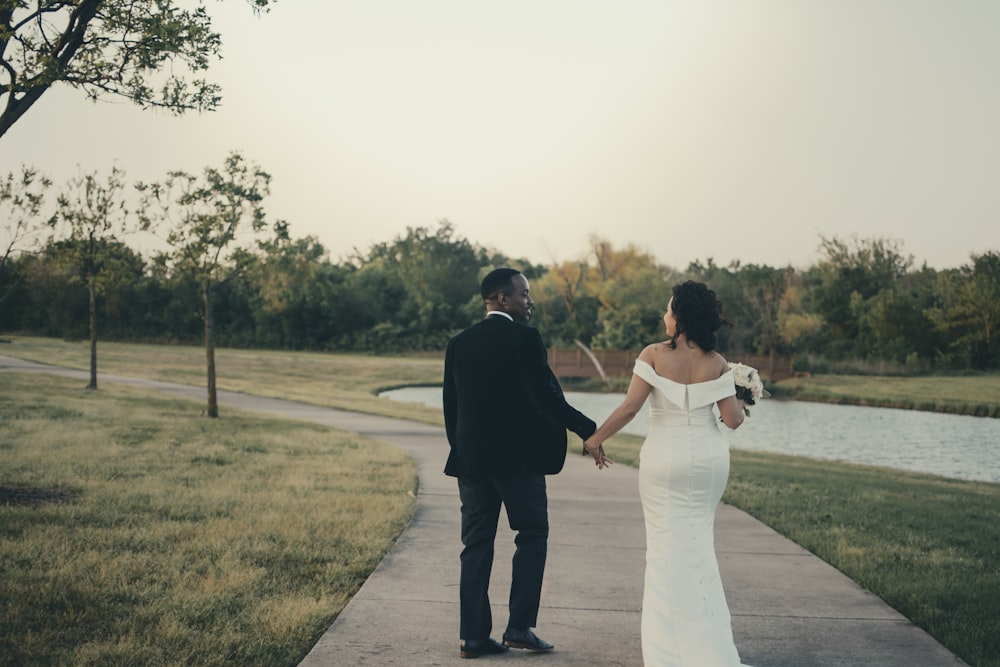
(500, 313)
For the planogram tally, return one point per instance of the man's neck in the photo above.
(500, 313)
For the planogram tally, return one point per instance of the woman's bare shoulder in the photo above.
(651, 351)
(719, 363)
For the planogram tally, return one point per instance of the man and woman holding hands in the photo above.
(506, 420)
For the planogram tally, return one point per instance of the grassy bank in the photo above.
(974, 394)
(135, 532)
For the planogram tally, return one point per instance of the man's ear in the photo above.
(503, 299)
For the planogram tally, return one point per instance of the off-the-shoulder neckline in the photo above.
(683, 384)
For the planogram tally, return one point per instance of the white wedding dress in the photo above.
(683, 468)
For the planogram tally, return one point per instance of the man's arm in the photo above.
(546, 392)
(449, 398)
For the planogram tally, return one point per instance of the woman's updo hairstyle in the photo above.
(698, 313)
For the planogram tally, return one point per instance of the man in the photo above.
(506, 420)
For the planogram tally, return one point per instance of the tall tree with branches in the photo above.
(215, 225)
(150, 52)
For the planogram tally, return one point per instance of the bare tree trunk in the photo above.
(93, 336)
(593, 360)
(213, 401)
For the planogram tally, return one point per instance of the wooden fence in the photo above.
(574, 362)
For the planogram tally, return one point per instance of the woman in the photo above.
(683, 468)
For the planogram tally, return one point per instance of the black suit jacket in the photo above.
(504, 411)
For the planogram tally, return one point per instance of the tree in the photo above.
(632, 304)
(633, 291)
(895, 325)
(795, 323)
(566, 312)
(612, 299)
(290, 284)
(96, 216)
(146, 51)
(53, 300)
(851, 276)
(426, 278)
(763, 291)
(214, 225)
(968, 308)
(738, 336)
(22, 197)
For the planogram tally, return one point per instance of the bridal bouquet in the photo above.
(749, 387)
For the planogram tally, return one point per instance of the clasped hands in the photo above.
(596, 450)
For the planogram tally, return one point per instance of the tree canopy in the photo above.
(151, 52)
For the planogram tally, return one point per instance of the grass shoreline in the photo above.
(853, 390)
(924, 544)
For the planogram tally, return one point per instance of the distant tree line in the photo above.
(69, 266)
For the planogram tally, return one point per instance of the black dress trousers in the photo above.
(525, 499)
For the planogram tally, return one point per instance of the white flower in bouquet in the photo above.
(749, 387)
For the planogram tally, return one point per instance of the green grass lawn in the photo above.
(928, 546)
(974, 394)
(135, 532)
(127, 483)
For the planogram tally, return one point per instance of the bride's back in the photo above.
(687, 363)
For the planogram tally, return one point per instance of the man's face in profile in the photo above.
(516, 300)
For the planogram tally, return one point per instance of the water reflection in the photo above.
(948, 445)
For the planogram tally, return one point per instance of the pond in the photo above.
(948, 445)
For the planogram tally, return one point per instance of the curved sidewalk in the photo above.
(790, 609)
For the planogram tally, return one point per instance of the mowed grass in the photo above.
(134, 531)
(928, 546)
(345, 381)
(975, 394)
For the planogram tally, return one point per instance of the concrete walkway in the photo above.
(790, 609)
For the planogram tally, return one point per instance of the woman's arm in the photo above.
(638, 391)
(731, 411)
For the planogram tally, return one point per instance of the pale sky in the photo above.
(730, 129)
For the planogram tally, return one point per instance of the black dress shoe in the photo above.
(515, 638)
(473, 648)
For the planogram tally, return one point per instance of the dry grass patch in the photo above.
(183, 540)
(345, 381)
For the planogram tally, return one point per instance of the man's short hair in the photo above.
(497, 281)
